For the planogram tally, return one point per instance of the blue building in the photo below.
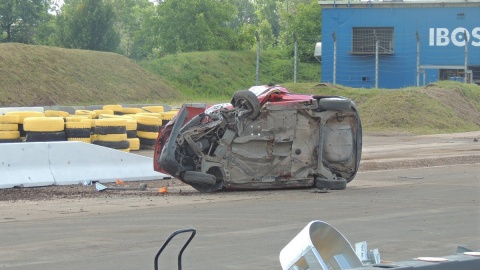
(397, 44)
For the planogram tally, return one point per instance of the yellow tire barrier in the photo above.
(76, 118)
(132, 110)
(154, 109)
(115, 108)
(53, 113)
(131, 124)
(81, 124)
(154, 114)
(24, 114)
(134, 144)
(111, 137)
(9, 119)
(102, 116)
(7, 135)
(111, 122)
(98, 112)
(44, 124)
(85, 140)
(169, 115)
(148, 120)
(147, 135)
(90, 114)
(93, 122)
(8, 127)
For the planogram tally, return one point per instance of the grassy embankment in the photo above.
(40, 75)
(37, 75)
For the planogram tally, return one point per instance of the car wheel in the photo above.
(334, 104)
(338, 184)
(247, 100)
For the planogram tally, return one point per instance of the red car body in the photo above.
(265, 138)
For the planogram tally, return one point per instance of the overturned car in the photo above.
(266, 138)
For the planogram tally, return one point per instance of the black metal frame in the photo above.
(192, 230)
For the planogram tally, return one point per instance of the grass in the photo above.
(38, 75)
(214, 76)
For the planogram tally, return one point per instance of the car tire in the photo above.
(334, 104)
(338, 184)
(248, 100)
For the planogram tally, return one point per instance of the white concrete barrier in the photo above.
(26, 165)
(20, 109)
(65, 163)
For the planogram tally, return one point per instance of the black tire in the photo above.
(147, 128)
(103, 130)
(115, 145)
(131, 134)
(22, 131)
(334, 104)
(78, 132)
(45, 136)
(247, 100)
(339, 184)
(147, 142)
(164, 122)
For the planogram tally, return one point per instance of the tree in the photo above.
(267, 40)
(268, 10)
(87, 24)
(131, 15)
(305, 21)
(19, 19)
(194, 25)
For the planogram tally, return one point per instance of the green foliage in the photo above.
(216, 75)
(194, 25)
(19, 19)
(130, 16)
(87, 24)
(267, 40)
(268, 10)
(246, 37)
(305, 24)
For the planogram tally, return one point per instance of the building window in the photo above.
(363, 40)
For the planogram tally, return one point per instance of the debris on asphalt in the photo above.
(101, 187)
(322, 190)
(411, 177)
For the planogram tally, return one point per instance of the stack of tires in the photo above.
(132, 134)
(21, 117)
(167, 116)
(53, 113)
(111, 133)
(9, 129)
(117, 109)
(99, 113)
(153, 109)
(44, 129)
(80, 131)
(87, 113)
(132, 111)
(148, 125)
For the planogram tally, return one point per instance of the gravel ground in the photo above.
(176, 188)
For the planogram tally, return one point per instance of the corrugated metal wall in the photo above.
(440, 31)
